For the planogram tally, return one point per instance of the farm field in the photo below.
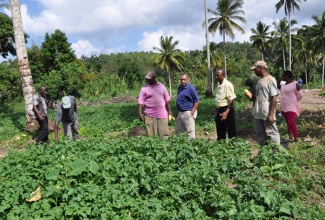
(116, 173)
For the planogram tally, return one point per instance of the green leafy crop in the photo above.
(150, 178)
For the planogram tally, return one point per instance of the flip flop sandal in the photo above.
(288, 141)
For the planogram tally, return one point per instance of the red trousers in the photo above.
(291, 122)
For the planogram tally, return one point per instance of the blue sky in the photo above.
(111, 26)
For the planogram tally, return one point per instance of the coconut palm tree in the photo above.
(304, 55)
(261, 37)
(25, 73)
(280, 35)
(226, 13)
(316, 38)
(169, 58)
(4, 5)
(289, 7)
(215, 58)
(208, 93)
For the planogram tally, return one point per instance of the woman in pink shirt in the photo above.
(291, 94)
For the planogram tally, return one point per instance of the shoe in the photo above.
(288, 141)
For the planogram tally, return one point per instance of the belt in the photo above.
(222, 107)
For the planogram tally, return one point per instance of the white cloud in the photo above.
(103, 26)
(84, 47)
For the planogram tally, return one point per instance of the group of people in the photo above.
(154, 98)
(66, 113)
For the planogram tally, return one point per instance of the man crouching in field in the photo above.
(154, 98)
(67, 113)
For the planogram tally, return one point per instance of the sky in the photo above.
(112, 26)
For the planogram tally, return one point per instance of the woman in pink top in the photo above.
(291, 94)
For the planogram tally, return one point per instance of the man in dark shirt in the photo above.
(40, 111)
(187, 103)
(67, 113)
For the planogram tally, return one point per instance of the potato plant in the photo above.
(150, 178)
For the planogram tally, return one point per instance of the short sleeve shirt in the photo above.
(40, 102)
(154, 99)
(225, 93)
(266, 88)
(186, 97)
(290, 98)
(66, 115)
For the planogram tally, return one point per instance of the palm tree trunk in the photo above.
(208, 93)
(225, 53)
(289, 40)
(306, 78)
(284, 60)
(25, 73)
(314, 78)
(262, 56)
(170, 84)
(323, 70)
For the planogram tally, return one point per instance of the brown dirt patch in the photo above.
(311, 101)
(2, 152)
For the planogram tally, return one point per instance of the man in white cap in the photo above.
(265, 104)
(154, 98)
(67, 113)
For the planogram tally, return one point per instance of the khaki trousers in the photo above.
(186, 123)
(157, 126)
(266, 132)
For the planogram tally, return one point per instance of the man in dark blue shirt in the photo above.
(187, 103)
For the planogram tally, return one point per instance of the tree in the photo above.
(130, 72)
(208, 93)
(56, 64)
(6, 36)
(25, 73)
(280, 35)
(316, 38)
(57, 51)
(215, 58)
(261, 37)
(226, 13)
(289, 7)
(169, 58)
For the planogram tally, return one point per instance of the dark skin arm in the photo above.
(272, 110)
(75, 107)
(196, 104)
(253, 97)
(56, 131)
(169, 108)
(298, 87)
(38, 113)
(224, 115)
(141, 115)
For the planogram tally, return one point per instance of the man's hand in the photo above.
(271, 119)
(224, 115)
(141, 116)
(214, 111)
(41, 117)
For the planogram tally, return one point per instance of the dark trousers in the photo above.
(226, 126)
(43, 131)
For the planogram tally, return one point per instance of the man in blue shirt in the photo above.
(187, 103)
